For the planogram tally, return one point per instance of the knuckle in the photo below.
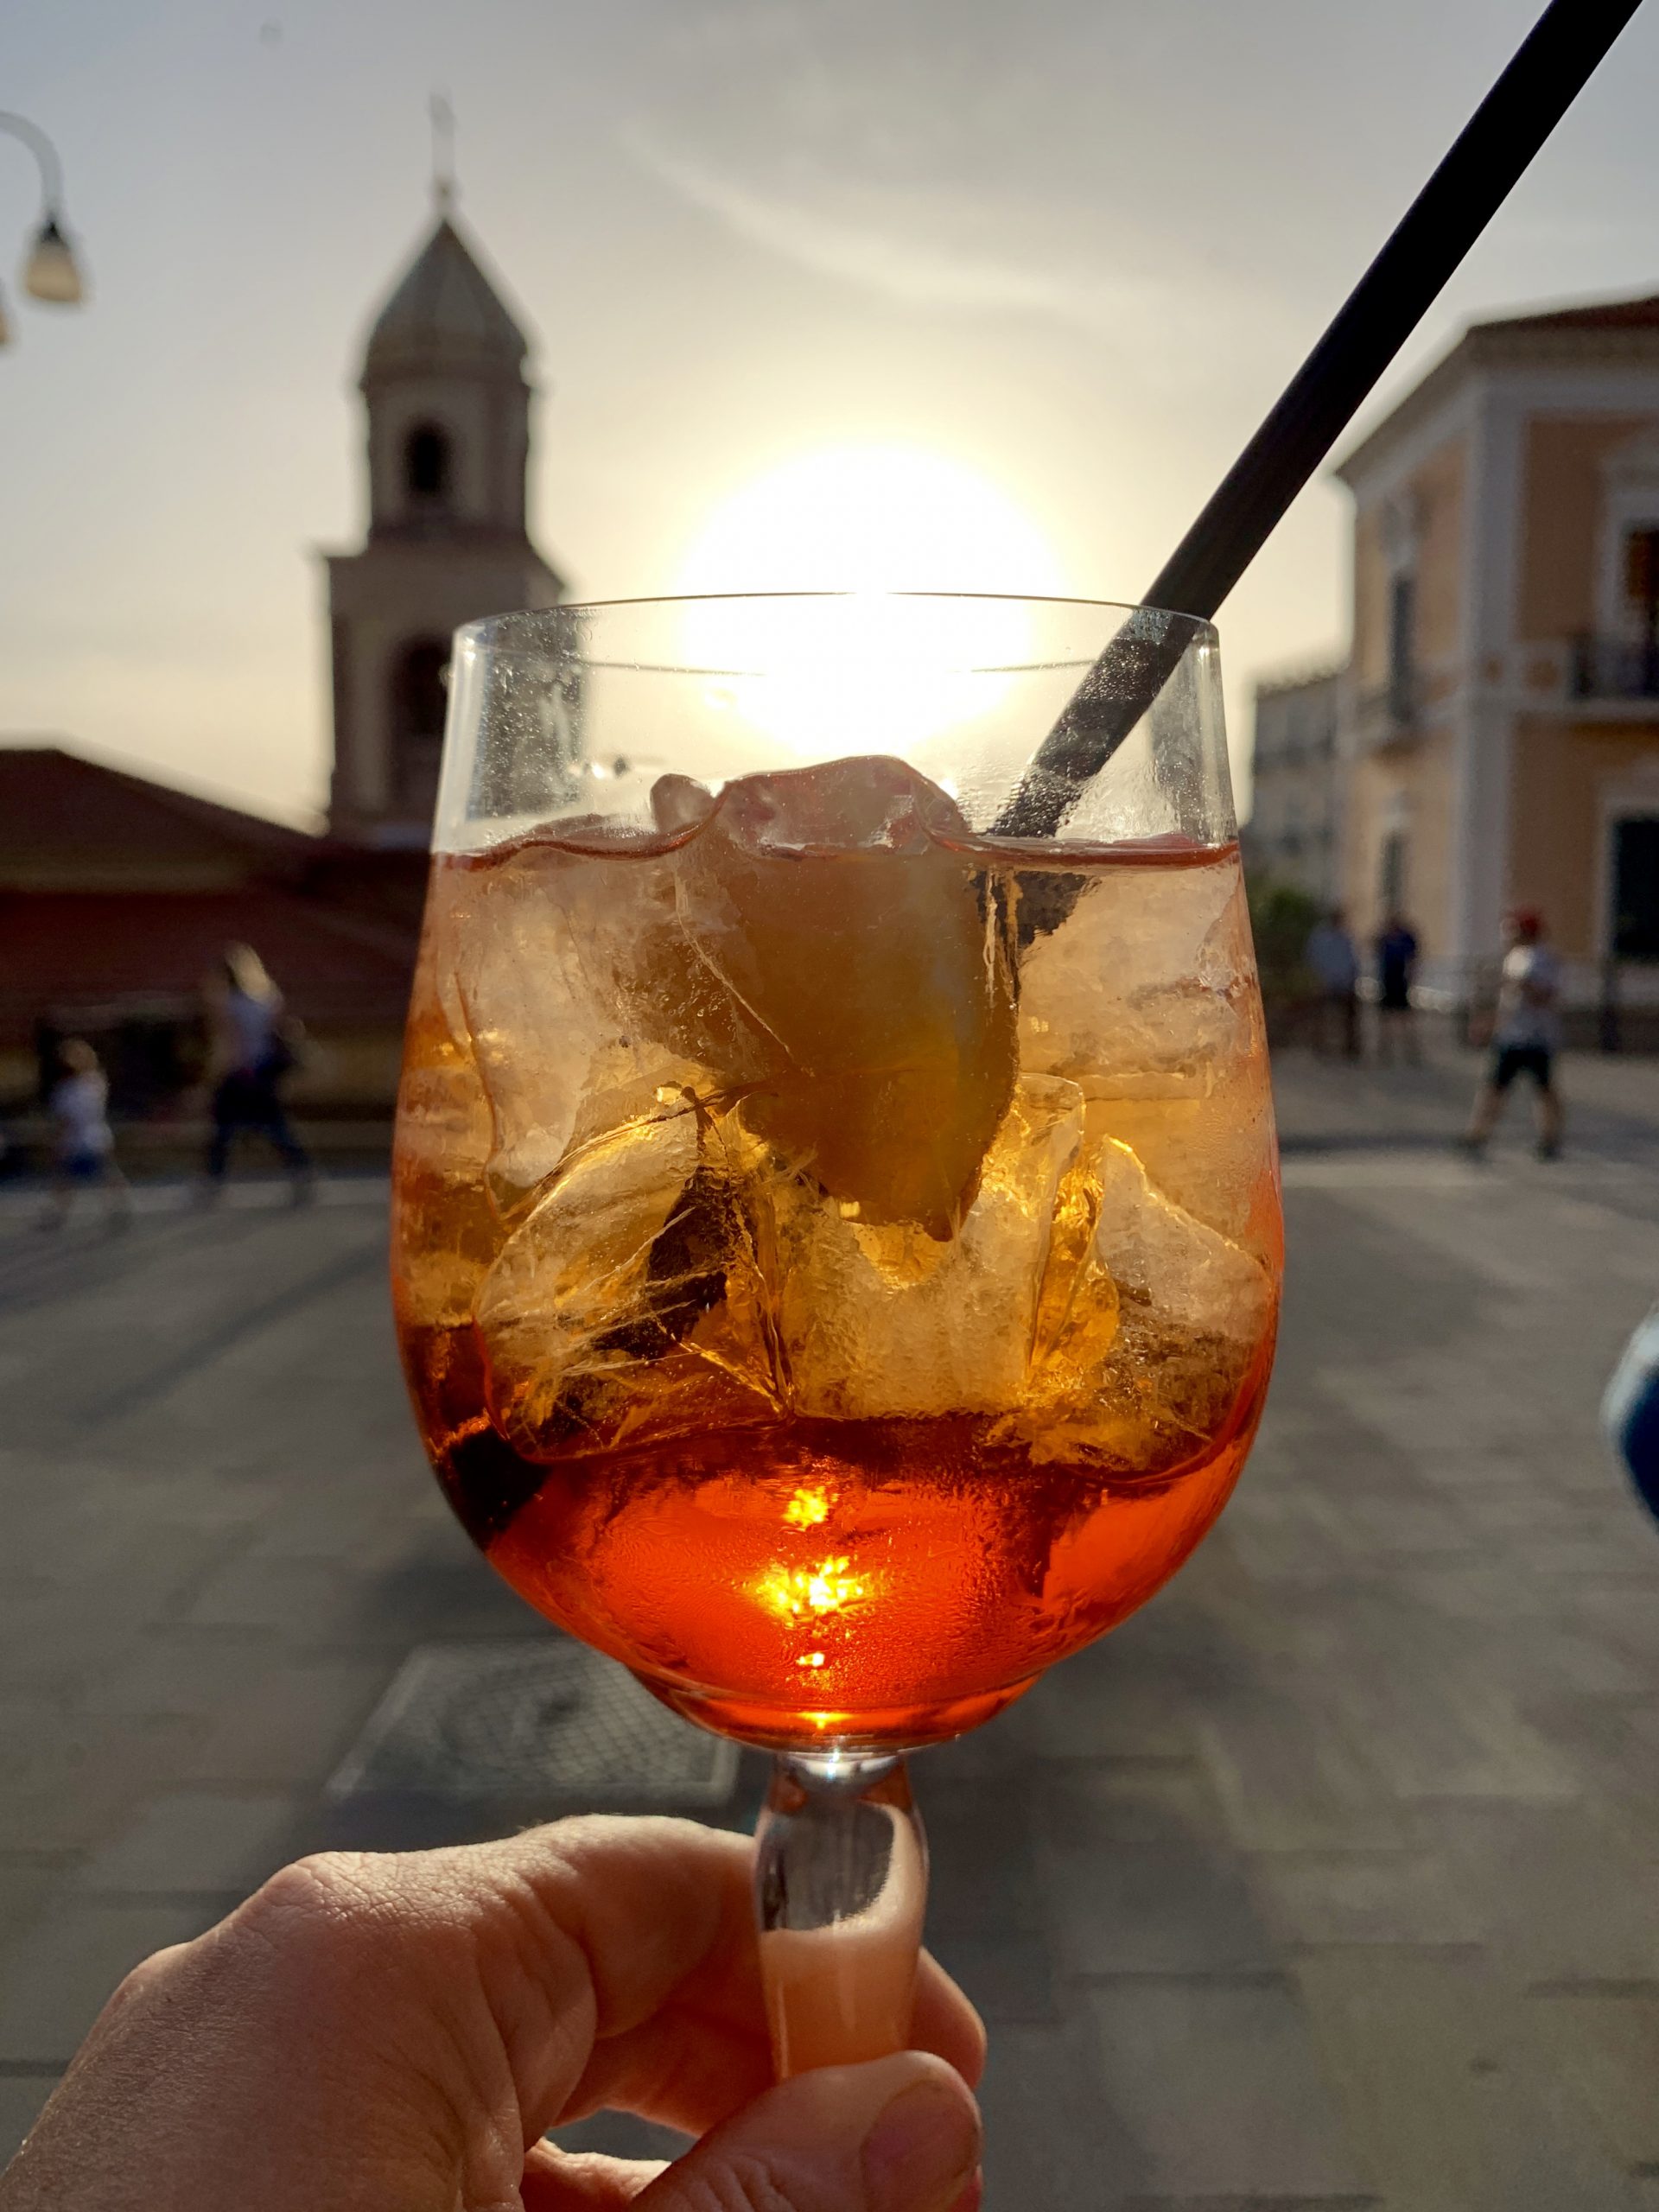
(322, 1900)
(738, 2181)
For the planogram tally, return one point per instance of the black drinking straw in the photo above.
(1548, 74)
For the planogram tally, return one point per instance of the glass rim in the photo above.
(482, 631)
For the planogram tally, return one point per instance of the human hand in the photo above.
(396, 2033)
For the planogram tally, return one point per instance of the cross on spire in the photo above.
(444, 152)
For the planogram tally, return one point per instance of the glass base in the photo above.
(841, 1889)
(872, 1734)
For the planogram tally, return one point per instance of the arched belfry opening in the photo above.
(429, 466)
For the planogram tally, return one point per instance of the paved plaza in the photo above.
(1330, 1880)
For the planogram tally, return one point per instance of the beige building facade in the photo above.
(1498, 727)
(449, 408)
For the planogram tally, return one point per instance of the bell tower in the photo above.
(448, 402)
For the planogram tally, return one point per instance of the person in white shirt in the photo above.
(1526, 1036)
(83, 1146)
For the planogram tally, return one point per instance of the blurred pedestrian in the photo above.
(83, 1152)
(1396, 970)
(1526, 1035)
(1330, 956)
(252, 1048)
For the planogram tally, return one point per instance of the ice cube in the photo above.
(627, 1305)
(1144, 990)
(888, 1321)
(444, 1230)
(871, 967)
(578, 991)
(1193, 1315)
(680, 802)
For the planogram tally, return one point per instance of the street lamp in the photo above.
(51, 273)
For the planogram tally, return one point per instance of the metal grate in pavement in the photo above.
(547, 1723)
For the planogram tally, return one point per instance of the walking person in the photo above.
(84, 1148)
(1396, 970)
(1330, 956)
(1526, 1036)
(252, 1050)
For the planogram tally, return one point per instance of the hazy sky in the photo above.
(1077, 244)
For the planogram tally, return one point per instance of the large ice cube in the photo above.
(1191, 1317)
(874, 963)
(578, 990)
(887, 1321)
(629, 1303)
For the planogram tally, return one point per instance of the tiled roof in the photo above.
(68, 820)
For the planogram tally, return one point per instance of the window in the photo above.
(1391, 872)
(1636, 888)
(1402, 644)
(1642, 566)
(426, 464)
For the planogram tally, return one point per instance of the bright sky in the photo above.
(1074, 245)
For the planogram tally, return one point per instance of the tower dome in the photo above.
(443, 314)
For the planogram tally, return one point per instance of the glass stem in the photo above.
(840, 1890)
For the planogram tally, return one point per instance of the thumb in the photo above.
(899, 2134)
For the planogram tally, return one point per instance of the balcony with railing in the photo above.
(1613, 669)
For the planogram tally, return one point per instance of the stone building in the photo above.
(448, 407)
(1292, 835)
(1500, 714)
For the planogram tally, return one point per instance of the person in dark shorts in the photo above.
(1396, 966)
(1526, 1036)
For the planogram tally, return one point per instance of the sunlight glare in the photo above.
(869, 673)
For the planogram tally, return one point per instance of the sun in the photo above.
(871, 674)
(871, 517)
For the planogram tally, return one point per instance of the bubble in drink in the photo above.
(832, 1299)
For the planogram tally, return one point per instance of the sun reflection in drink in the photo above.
(808, 1509)
(799, 1594)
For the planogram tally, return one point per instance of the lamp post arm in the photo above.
(46, 155)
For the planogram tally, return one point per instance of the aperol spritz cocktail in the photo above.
(836, 1248)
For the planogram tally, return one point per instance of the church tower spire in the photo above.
(448, 402)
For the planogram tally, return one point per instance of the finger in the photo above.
(663, 1912)
(679, 2068)
(687, 2070)
(899, 2135)
(658, 1908)
(566, 2181)
(942, 2021)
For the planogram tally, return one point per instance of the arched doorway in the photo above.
(419, 701)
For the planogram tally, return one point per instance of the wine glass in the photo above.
(836, 1246)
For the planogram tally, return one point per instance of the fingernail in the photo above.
(924, 2147)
